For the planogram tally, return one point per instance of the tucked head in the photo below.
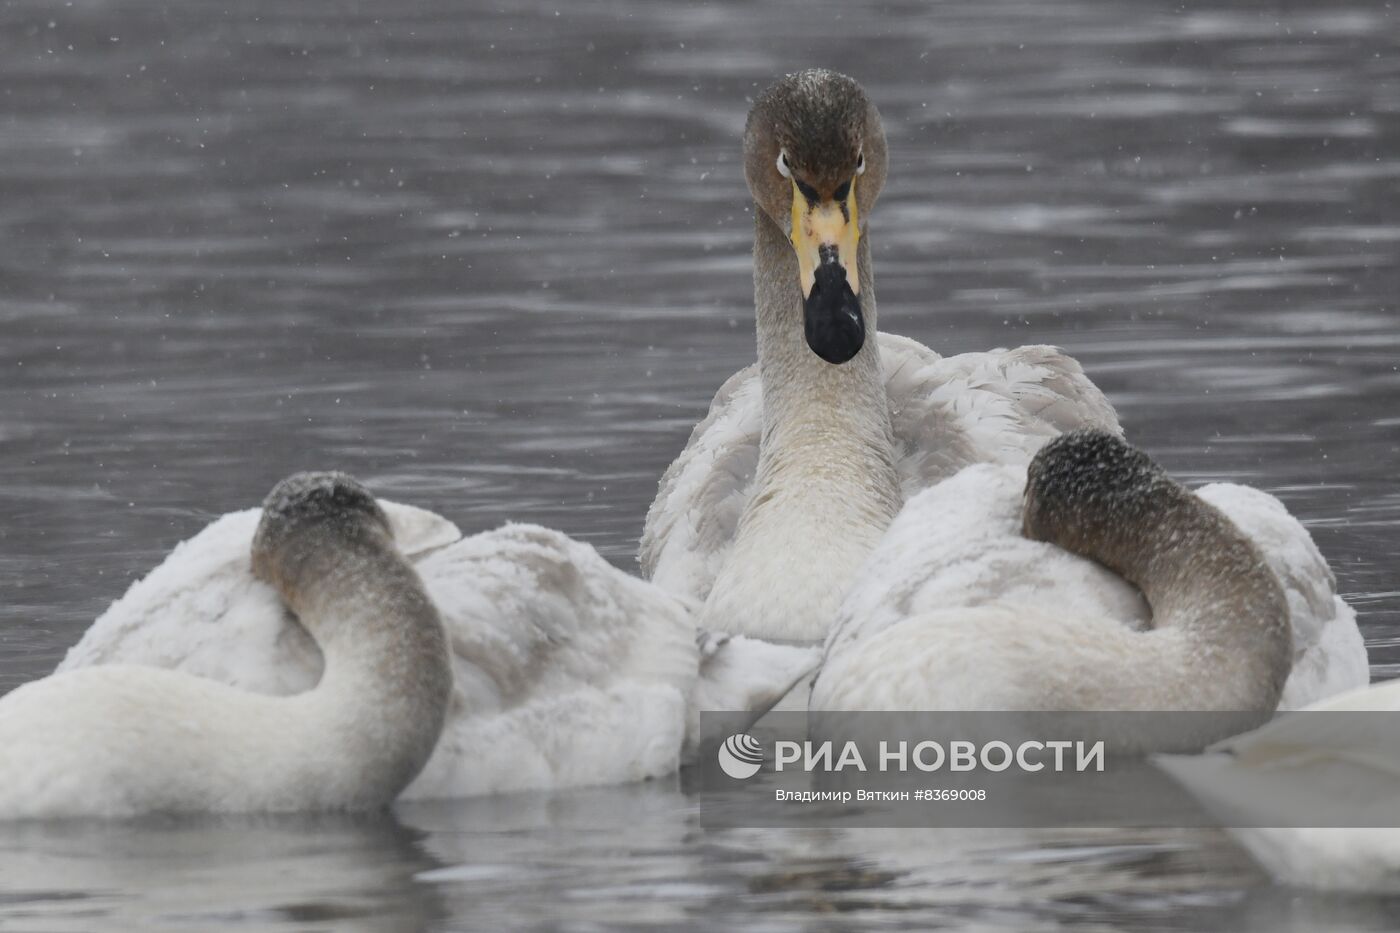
(814, 159)
(1089, 482)
(305, 512)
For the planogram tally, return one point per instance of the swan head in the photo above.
(308, 517)
(814, 160)
(1090, 484)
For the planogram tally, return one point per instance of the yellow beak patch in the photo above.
(832, 225)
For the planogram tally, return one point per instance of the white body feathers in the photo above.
(938, 618)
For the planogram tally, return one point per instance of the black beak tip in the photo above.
(832, 319)
(840, 347)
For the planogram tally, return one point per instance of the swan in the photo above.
(567, 672)
(806, 457)
(122, 741)
(957, 608)
(1339, 769)
(813, 482)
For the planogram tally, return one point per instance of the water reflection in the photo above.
(633, 858)
(283, 873)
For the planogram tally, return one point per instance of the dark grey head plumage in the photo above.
(333, 503)
(825, 123)
(1089, 479)
(819, 119)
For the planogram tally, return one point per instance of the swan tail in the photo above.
(418, 532)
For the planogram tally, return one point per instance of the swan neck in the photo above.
(1209, 588)
(826, 487)
(387, 680)
(800, 388)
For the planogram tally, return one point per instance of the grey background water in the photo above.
(493, 258)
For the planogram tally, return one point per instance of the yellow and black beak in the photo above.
(825, 235)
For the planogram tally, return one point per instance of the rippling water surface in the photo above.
(494, 260)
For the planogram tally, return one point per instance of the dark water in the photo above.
(494, 261)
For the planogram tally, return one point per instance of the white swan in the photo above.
(805, 459)
(801, 488)
(568, 672)
(1336, 764)
(123, 741)
(958, 609)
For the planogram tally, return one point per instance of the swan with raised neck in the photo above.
(119, 741)
(814, 160)
(793, 477)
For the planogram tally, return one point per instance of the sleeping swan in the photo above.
(1237, 605)
(1337, 764)
(567, 672)
(122, 741)
(805, 459)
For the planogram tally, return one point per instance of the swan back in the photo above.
(959, 543)
(994, 407)
(568, 671)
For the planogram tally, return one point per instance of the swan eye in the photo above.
(784, 169)
(860, 164)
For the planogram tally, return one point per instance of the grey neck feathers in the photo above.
(387, 682)
(838, 413)
(826, 487)
(1207, 583)
(1200, 573)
